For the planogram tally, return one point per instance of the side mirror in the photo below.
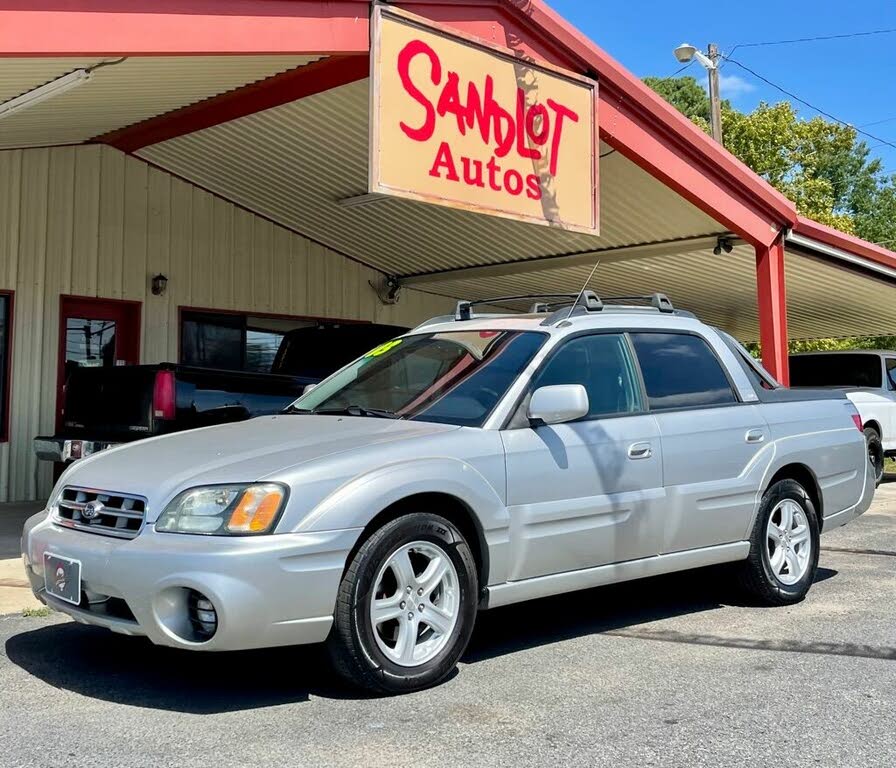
(308, 388)
(558, 404)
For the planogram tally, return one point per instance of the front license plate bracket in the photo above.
(62, 578)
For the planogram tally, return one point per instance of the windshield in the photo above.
(841, 370)
(450, 378)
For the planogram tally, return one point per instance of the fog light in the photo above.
(203, 617)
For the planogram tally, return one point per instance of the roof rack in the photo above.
(586, 301)
(589, 300)
(658, 301)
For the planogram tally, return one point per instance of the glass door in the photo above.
(95, 333)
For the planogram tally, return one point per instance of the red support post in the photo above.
(772, 301)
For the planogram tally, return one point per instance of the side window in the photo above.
(756, 378)
(602, 364)
(680, 371)
(891, 373)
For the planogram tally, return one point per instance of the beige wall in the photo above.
(91, 221)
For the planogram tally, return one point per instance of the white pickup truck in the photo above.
(869, 379)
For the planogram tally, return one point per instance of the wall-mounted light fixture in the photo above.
(723, 244)
(159, 285)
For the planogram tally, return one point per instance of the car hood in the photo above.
(246, 451)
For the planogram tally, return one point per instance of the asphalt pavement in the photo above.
(673, 671)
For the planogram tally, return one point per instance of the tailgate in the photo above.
(110, 402)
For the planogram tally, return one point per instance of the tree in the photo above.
(686, 95)
(819, 164)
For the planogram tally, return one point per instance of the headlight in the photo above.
(224, 510)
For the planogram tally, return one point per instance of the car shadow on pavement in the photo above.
(605, 610)
(130, 670)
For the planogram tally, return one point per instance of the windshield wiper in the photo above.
(356, 410)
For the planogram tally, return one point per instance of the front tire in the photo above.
(784, 546)
(406, 606)
(875, 453)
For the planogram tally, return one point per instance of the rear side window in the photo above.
(602, 364)
(681, 371)
(891, 372)
(839, 370)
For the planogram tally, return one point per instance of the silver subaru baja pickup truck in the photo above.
(477, 461)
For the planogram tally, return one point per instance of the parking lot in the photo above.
(670, 671)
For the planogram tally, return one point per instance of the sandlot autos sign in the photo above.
(462, 123)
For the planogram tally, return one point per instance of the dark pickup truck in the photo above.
(106, 406)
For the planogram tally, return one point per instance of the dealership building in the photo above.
(271, 164)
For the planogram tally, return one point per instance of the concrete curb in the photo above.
(15, 592)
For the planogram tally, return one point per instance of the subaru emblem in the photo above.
(92, 509)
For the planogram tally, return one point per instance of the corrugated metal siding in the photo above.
(91, 221)
(121, 94)
(294, 162)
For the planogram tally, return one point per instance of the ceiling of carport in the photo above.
(294, 164)
(824, 299)
(120, 92)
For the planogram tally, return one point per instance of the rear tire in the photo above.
(875, 453)
(406, 606)
(784, 546)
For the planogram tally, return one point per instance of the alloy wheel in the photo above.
(415, 603)
(788, 542)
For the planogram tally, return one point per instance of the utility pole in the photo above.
(715, 96)
(710, 62)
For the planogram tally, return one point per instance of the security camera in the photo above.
(684, 53)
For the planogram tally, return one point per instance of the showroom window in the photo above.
(5, 337)
(681, 371)
(234, 342)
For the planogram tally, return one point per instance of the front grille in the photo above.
(103, 512)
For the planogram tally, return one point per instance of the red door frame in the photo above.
(126, 314)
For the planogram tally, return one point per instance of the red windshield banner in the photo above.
(462, 123)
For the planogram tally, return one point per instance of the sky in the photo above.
(853, 79)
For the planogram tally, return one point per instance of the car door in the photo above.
(588, 492)
(710, 440)
(889, 426)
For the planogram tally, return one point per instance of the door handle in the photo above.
(640, 451)
(754, 436)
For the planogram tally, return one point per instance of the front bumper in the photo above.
(267, 590)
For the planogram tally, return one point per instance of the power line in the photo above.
(807, 104)
(817, 38)
(878, 122)
(678, 71)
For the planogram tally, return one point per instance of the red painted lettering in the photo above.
(444, 159)
(471, 179)
(407, 54)
(522, 149)
(493, 170)
(561, 113)
(533, 187)
(538, 124)
(513, 181)
(530, 130)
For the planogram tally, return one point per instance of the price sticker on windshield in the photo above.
(383, 348)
